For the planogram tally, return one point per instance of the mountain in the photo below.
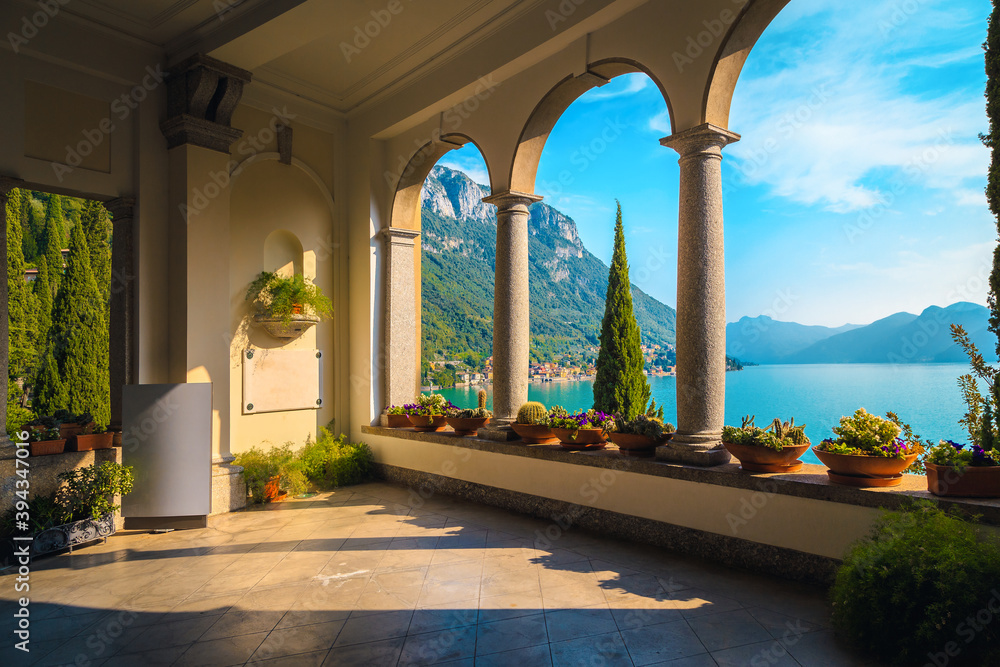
(898, 338)
(764, 340)
(906, 338)
(567, 283)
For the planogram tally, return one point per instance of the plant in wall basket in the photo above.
(532, 424)
(772, 449)
(45, 441)
(396, 416)
(430, 412)
(641, 435)
(583, 430)
(468, 422)
(969, 470)
(287, 306)
(868, 451)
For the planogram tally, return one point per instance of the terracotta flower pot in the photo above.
(467, 425)
(46, 447)
(71, 429)
(398, 421)
(425, 423)
(272, 490)
(762, 459)
(116, 438)
(85, 442)
(535, 434)
(640, 446)
(970, 482)
(296, 309)
(864, 471)
(582, 438)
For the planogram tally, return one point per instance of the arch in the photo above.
(406, 201)
(733, 53)
(283, 253)
(238, 168)
(550, 109)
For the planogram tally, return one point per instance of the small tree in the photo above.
(620, 386)
(992, 140)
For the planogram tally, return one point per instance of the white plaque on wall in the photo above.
(281, 380)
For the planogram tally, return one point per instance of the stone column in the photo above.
(701, 299)
(6, 185)
(123, 358)
(511, 317)
(399, 352)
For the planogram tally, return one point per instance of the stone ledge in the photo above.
(811, 482)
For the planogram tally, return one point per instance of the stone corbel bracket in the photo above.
(202, 94)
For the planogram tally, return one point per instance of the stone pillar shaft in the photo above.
(511, 317)
(399, 359)
(123, 358)
(701, 298)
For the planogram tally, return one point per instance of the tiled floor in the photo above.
(363, 576)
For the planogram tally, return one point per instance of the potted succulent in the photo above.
(868, 451)
(640, 436)
(45, 441)
(973, 471)
(468, 422)
(532, 424)
(582, 430)
(396, 416)
(429, 412)
(285, 306)
(91, 437)
(772, 449)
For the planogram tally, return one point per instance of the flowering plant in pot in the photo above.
(775, 448)
(430, 412)
(640, 435)
(532, 424)
(91, 437)
(286, 306)
(973, 470)
(869, 451)
(396, 416)
(582, 430)
(45, 441)
(468, 422)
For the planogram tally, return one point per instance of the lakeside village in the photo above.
(444, 373)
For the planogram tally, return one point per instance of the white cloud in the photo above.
(624, 86)
(660, 123)
(472, 166)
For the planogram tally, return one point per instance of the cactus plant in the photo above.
(788, 429)
(532, 412)
(478, 412)
(482, 399)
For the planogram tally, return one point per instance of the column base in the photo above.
(694, 449)
(229, 491)
(498, 430)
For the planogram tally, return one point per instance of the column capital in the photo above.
(700, 139)
(122, 208)
(399, 235)
(511, 198)
(8, 183)
(202, 94)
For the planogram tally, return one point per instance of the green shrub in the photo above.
(331, 461)
(259, 466)
(919, 585)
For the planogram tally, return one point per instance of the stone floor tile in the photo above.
(364, 629)
(513, 605)
(237, 622)
(728, 629)
(573, 597)
(781, 626)
(443, 617)
(375, 599)
(510, 634)
(173, 633)
(763, 653)
(574, 623)
(314, 659)
(701, 660)
(820, 649)
(505, 582)
(643, 615)
(300, 639)
(221, 652)
(400, 579)
(441, 646)
(658, 643)
(696, 602)
(605, 649)
(152, 657)
(385, 652)
(441, 592)
(454, 571)
(531, 656)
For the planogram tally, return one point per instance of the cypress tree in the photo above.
(20, 302)
(53, 242)
(620, 386)
(34, 227)
(992, 141)
(43, 304)
(97, 227)
(76, 378)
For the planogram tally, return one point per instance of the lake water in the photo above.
(924, 395)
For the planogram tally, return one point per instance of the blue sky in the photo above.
(856, 191)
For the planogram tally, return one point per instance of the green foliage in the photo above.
(43, 307)
(532, 413)
(96, 224)
(789, 431)
(43, 512)
(980, 416)
(17, 415)
(88, 492)
(52, 242)
(74, 375)
(20, 302)
(916, 585)
(431, 405)
(258, 467)
(754, 436)
(479, 411)
(992, 141)
(279, 296)
(332, 462)
(644, 425)
(620, 386)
